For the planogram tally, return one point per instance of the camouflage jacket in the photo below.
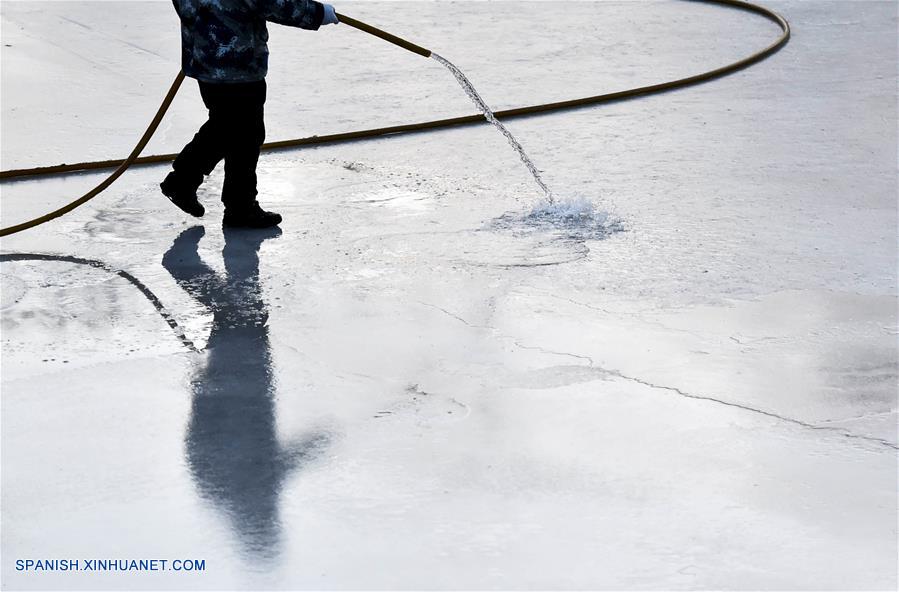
(225, 40)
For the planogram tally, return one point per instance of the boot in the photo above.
(250, 216)
(181, 195)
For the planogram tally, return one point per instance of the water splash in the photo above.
(572, 219)
(576, 219)
(472, 93)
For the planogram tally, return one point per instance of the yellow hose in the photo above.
(133, 158)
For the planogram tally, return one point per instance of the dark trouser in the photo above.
(235, 131)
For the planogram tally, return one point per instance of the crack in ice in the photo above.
(771, 414)
(591, 363)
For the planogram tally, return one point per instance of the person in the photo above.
(223, 47)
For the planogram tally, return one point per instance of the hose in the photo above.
(383, 35)
(122, 167)
(133, 158)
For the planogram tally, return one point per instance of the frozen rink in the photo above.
(416, 387)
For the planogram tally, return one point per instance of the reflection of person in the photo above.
(232, 447)
(223, 46)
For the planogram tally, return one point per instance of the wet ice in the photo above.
(621, 398)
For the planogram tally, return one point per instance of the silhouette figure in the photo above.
(232, 448)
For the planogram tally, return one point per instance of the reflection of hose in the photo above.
(148, 294)
(397, 129)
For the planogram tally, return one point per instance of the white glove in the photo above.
(330, 15)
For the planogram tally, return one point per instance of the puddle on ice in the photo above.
(551, 233)
(492, 249)
(468, 247)
(575, 219)
(14, 288)
(398, 199)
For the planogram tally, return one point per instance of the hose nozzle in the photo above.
(384, 35)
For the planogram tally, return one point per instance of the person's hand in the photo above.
(330, 15)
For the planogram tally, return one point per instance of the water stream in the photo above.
(482, 105)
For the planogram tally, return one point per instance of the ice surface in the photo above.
(431, 387)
